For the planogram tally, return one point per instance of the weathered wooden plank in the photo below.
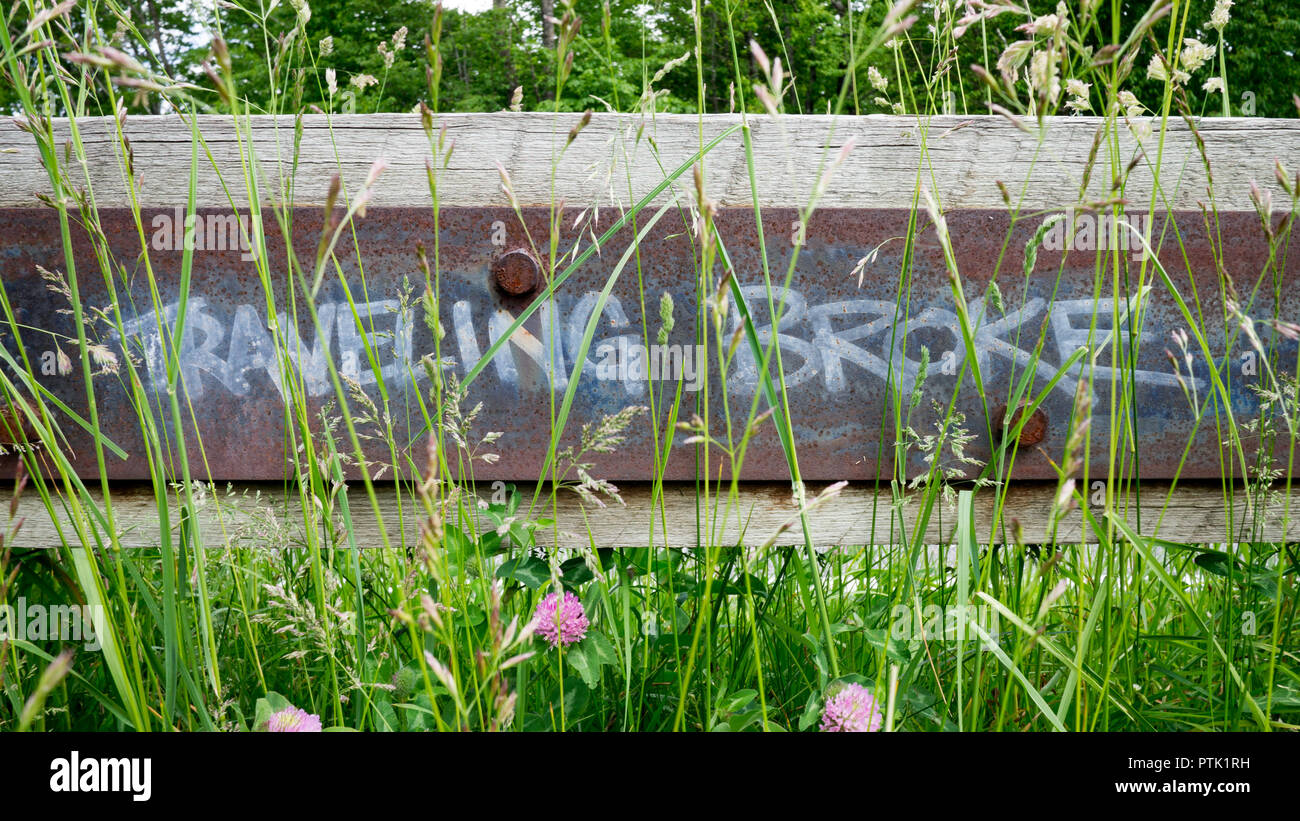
(259, 514)
(619, 158)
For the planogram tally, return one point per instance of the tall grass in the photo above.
(383, 631)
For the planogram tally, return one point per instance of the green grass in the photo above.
(1120, 632)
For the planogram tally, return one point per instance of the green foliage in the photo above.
(430, 628)
(279, 61)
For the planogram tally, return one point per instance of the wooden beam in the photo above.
(260, 514)
(614, 162)
(619, 158)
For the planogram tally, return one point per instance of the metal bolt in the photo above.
(14, 425)
(1035, 429)
(517, 272)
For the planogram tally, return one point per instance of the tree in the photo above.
(283, 54)
(158, 34)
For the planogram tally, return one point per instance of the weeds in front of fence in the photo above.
(441, 604)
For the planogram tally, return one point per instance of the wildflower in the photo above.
(1141, 129)
(361, 81)
(331, 81)
(399, 39)
(103, 358)
(1195, 54)
(1156, 71)
(1078, 91)
(1214, 84)
(878, 81)
(327, 46)
(293, 720)
(1220, 16)
(561, 621)
(1012, 58)
(666, 320)
(64, 362)
(1044, 79)
(1132, 107)
(303, 10)
(1047, 24)
(852, 710)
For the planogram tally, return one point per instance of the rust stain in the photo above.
(517, 272)
(849, 350)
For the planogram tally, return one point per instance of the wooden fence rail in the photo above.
(261, 514)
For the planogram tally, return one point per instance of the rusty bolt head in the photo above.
(1035, 429)
(517, 272)
(15, 425)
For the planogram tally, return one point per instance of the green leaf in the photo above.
(575, 572)
(603, 651)
(576, 698)
(385, 716)
(579, 658)
(852, 678)
(459, 547)
(268, 706)
(589, 655)
(741, 721)
(738, 701)
(1220, 564)
(736, 587)
(529, 571)
(811, 711)
(893, 648)
(1284, 698)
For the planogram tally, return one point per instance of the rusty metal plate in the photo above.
(850, 336)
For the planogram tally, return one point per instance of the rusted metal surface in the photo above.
(518, 272)
(1034, 429)
(851, 350)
